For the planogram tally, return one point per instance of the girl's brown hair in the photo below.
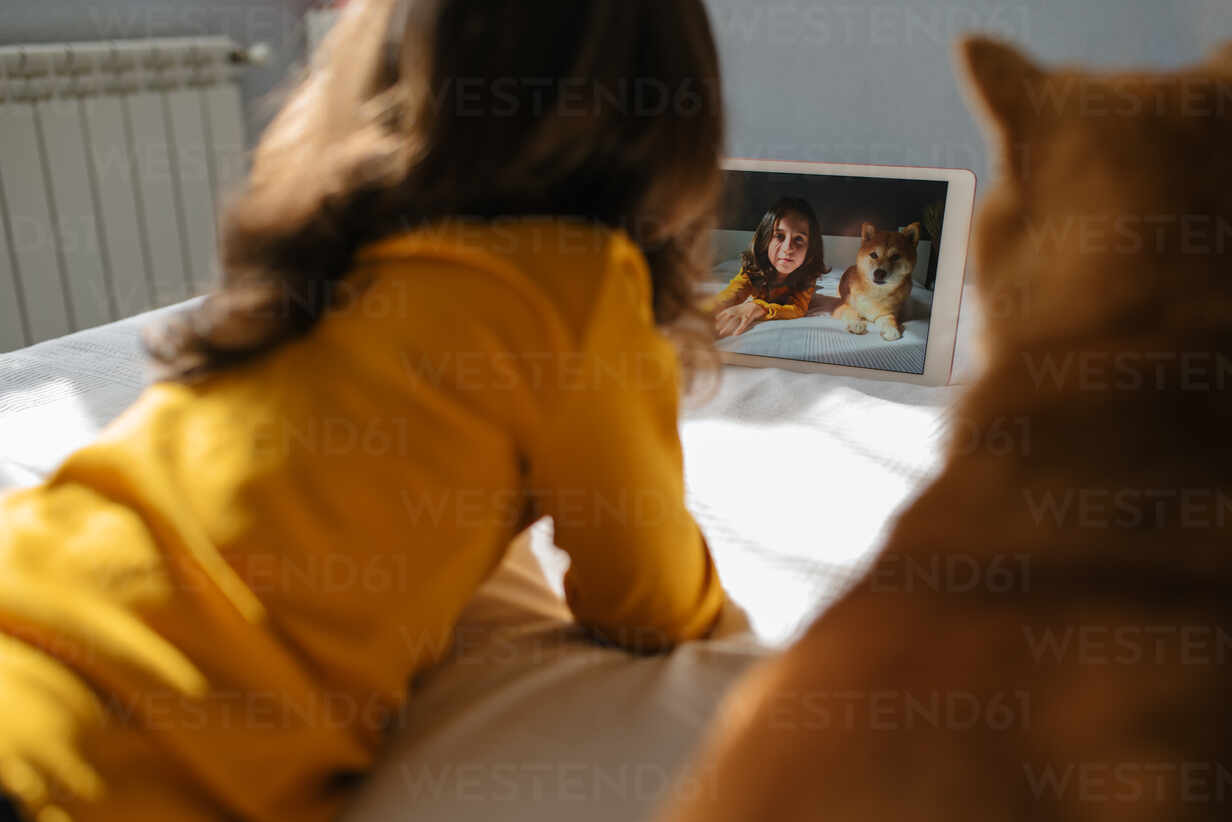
(417, 110)
(757, 260)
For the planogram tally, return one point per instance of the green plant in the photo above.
(932, 219)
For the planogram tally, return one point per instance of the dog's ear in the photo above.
(1221, 57)
(1006, 87)
(912, 232)
(1003, 80)
(867, 231)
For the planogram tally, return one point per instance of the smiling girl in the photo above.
(778, 273)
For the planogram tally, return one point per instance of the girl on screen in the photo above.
(778, 273)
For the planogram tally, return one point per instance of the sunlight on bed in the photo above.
(844, 475)
(42, 425)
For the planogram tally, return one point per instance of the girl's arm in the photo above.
(735, 292)
(608, 469)
(795, 309)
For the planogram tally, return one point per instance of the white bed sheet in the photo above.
(793, 478)
(819, 337)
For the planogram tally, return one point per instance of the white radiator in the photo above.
(113, 160)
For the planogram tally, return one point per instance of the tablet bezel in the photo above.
(951, 267)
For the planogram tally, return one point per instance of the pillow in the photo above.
(529, 720)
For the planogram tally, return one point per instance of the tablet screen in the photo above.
(827, 269)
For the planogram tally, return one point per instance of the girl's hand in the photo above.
(731, 322)
(40, 764)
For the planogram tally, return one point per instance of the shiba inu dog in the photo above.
(1047, 633)
(875, 290)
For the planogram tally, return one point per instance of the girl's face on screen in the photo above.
(788, 244)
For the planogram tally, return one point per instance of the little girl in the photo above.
(778, 273)
(446, 286)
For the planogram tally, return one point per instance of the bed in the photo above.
(818, 337)
(526, 719)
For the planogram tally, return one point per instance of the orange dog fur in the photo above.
(876, 288)
(1047, 633)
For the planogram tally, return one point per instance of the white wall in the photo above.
(873, 82)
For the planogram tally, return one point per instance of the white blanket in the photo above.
(793, 478)
(819, 337)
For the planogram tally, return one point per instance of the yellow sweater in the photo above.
(780, 302)
(213, 611)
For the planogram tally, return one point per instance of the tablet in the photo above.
(842, 269)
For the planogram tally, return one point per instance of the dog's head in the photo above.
(1113, 208)
(886, 258)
